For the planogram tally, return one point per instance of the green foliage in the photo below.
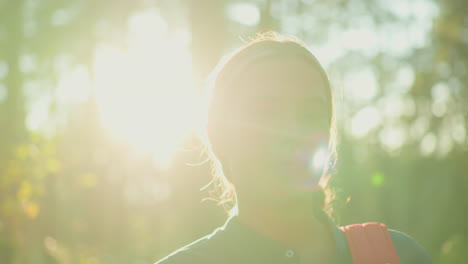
(75, 195)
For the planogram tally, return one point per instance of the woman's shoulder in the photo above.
(408, 249)
(197, 252)
(190, 253)
(182, 256)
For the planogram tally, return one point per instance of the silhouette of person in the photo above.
(270, 133)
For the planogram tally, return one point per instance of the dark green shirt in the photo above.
(236, 243)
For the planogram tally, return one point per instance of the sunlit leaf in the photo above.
(22, 152)
(378, 179)
(88, 180)
(53, 165)
(24, 191)
(31, 209)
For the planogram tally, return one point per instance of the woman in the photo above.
(270, 115)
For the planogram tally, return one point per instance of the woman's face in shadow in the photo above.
(281, 112)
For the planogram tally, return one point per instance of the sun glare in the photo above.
(144, 92)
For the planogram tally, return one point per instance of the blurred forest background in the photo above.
(99, 101)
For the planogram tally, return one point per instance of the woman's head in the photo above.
(270, 107)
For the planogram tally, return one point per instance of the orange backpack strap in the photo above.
(370, 243)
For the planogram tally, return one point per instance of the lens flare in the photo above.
(319, 159)
(315, 161)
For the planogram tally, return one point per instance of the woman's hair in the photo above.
(221, 88)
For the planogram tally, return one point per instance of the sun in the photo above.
(144, 91)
